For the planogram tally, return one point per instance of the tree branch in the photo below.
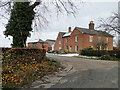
(35, 4)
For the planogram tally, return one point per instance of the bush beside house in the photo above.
(112, 53)
(61, 51)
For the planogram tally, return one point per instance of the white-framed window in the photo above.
(106, 40)
(91, 38)
(76, 48)
(100, 48)
(59, 48)
(70, 48)
(66, 47)
(99, 39)
(59, 42)
(76, 38)
(66, 40)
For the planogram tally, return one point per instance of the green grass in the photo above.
(97, 58)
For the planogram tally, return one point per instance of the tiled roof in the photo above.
(67, 34)
(93, 32)
(50, 40)
(37, 41)
(62, 33)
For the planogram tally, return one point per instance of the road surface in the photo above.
(88, 73)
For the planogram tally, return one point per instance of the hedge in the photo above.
(21, 66)
(99, 53)
(41, 53)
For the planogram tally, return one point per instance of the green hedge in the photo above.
(99, 53)
(114, 53)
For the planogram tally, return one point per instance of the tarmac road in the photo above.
(88, 73)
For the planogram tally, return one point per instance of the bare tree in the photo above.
(100, 45)
(41, 7)
(111, 24)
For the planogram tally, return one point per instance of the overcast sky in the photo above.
(89, 11)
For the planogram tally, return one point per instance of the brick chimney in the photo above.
(91, 25)
(69, 29)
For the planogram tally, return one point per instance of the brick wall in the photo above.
(57, 45)
(39, 46)
(83, 41)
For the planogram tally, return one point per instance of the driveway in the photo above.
(87, 73)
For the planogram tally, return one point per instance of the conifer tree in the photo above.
(19, 24)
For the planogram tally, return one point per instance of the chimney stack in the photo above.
(69, 30)
(91, 25)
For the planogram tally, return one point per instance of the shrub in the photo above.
(52, 51)
(106, 57)
(93, 52)
(71, 51)
(88, 48)
(63, 52)
(115, 48)
(57, 52)
(67, 51)
(113, 53)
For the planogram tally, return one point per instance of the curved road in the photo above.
(88, 73)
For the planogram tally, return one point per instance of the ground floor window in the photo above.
(59, 48)
(66, 47)
(70, 48)
(76, 48)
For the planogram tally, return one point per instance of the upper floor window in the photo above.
(99, 39)
(59, 42)
(106, 40)
(66, 40)
(91, 38)
(76, 38)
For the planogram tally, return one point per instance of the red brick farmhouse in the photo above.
(81, 38)
(40, 44)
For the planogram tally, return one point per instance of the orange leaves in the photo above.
(20, 69)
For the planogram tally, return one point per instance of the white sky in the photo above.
(88, 11)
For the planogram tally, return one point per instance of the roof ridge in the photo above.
(95, 32)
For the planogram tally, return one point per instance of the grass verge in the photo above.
(97, 58)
